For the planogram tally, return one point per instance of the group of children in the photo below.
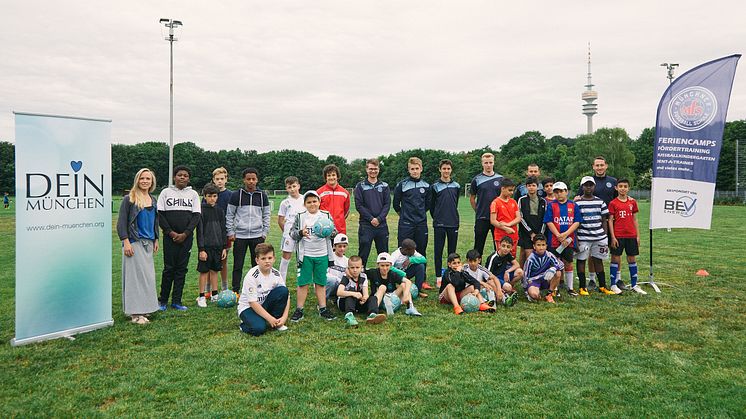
(551, 230)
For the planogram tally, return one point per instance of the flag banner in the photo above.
(688, 137)
(63, 226)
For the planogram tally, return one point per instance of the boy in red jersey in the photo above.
(623, 230)
(505, 215)
(334, 198)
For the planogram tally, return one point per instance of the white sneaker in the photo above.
(389, 306)
(214, 298)
(282, 328)
(615, 289)
(412, 311)
(639, 290)
(202, 302)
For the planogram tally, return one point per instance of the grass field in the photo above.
(680, 353)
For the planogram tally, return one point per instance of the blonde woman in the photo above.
(137, 228)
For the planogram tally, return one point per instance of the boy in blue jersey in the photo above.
(444, 211)
(372, 202)
(542, 271)
(484, 188)
(592, 236)
(411, 201)
(562, 219)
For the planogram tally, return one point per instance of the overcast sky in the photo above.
(356, 78)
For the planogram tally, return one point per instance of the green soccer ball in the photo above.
(470, 303)
(393, 299)
(414, 291)
(227, 299)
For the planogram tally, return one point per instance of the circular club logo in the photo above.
(692, 108)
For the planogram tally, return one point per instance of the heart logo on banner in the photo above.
(76, 165)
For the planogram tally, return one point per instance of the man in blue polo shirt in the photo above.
(372, 201)
(484, 188)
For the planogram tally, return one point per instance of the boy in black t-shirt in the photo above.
(383, 280)
(354, 295)
(456, 284)
(503, 265)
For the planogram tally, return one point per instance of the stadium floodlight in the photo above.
(171, 24)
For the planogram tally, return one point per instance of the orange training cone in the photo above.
(702, 272)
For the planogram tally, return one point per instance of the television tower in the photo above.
(589, 96)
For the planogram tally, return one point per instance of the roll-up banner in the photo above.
(688, 138)
(63, 226)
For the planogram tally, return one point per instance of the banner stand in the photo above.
(61, 334)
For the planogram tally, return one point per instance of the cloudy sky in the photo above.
(356, 78)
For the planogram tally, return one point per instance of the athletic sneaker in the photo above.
(571, 292)
(214, 298)
(511, 299)
(583, 292)
(412, 311)
(297, 315)
(549, 298)
(615, 289)
(282, 328)
(458, 310)
(201, 302)
(639, 290)
(621, 285)
(326, 314)
(491, 303)
(605, 291)
(374, 318)
(350, 320)
(591, 284)
(487, 308)
(162, 306)
(179, 307)
(426, 286)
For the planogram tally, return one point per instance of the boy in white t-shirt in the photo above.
(289, 207)
(265, 299)
(335, 272)
(488, 281)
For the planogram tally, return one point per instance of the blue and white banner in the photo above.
(688, 138)
(63, 226)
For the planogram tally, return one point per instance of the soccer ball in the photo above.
(394, 299)
(323, 227)
(227, 299)
(484, 293)
(414, 291)
(470, 303)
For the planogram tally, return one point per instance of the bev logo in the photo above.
(685, 206)
(64, 191)
(692, 108)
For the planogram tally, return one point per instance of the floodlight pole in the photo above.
(171, 24)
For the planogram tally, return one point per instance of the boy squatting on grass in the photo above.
(384, 281)
(354, 296)
(625, 236)
(211, 242)
(542, 271)
(505, 268)
(314, 256)
(456, 284)
(488, 281)
(265, 300)
(289, 207)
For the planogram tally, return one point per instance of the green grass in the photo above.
(679, 353)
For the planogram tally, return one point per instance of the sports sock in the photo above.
(633, 273)
(202, 294)
(284, 264)
(601, 279)
(581, 277)
(214, 292)
(569, 279)
(225, 284)
(613, 270)
(591, 277)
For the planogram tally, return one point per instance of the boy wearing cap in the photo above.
(384, 280)
(336, 271)
(562, 218)
(314, 254)
(592, 236)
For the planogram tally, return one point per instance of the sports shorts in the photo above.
(313, 270)
(213, 263)
(288, 244)
(566, 255)
(541, 284)
(597, 249)
(443, 297)
(501, 275)
(627, 245)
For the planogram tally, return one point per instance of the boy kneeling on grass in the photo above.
(354, 296)
(385, 281)
(265, 300)
(542, 271)
(456, 284)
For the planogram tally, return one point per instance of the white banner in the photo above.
(681, 203)
(63, 226)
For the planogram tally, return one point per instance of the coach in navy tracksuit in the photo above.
(372, 201)
(411, 202)
(444, 196)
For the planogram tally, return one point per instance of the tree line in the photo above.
(567, 159)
